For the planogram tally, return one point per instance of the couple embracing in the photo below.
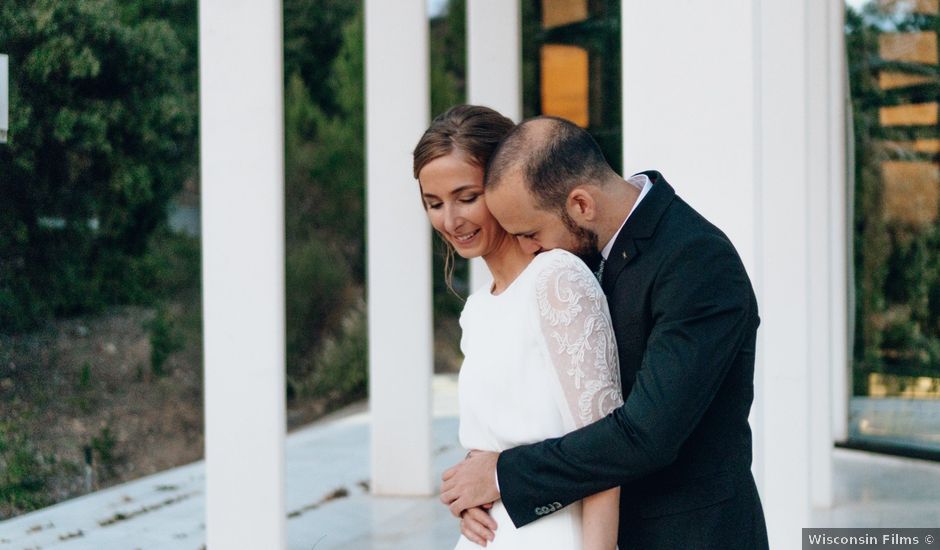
(608, 371)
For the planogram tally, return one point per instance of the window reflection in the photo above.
(893, 59)
(562, 12)
(571, 66)
(565, 83)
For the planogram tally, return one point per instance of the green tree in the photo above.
(313, 36)
(325, 215)
(448, 49)
(103, 134)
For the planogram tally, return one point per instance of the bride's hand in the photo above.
(477, 525)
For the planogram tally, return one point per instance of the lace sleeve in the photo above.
(575, 322)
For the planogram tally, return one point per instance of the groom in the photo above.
(685, 317)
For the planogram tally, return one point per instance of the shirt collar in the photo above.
(641, 182)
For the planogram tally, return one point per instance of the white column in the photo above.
(494, 58)
(399, 244)
(784, 236)
(241, 113)
(694, 124)
(818, 187)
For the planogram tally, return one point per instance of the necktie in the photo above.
(600, 271)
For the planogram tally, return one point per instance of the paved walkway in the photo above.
(330, 508)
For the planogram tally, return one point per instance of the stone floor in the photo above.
(330, 508)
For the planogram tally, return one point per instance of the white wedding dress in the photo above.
(540, 360)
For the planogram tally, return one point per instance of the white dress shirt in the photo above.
(641, 182)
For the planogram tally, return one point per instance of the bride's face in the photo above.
(452, 190)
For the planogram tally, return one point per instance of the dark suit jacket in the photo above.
(685, 318)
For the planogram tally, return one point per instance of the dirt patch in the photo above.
(83, 387)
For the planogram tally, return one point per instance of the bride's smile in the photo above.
(464, 239)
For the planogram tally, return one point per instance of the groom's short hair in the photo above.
(552, 155)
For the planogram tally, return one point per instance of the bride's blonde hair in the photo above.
(471, 129)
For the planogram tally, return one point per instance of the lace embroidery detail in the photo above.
(576, 323)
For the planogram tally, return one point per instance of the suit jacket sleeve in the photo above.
(701, 306)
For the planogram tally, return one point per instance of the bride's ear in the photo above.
(581, 206)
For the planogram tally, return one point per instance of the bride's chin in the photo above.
(466, 255)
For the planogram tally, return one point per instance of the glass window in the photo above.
(895, 91)
(571, 66)
(100, 284)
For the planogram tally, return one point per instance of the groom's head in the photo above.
(543, 184)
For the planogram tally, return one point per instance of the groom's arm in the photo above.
(702, 309)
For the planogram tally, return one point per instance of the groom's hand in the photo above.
(470, 483)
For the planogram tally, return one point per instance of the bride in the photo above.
(540, 359)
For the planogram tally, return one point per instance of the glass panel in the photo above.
(324, 208)
(100, 287)
(571, 66)
(895, 87)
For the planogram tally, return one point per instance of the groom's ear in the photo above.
(581, 206)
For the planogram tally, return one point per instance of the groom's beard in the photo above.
(585, 246)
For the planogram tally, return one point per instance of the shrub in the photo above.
(341, 368)
(22, 473)
(164, 341)
(316, 279)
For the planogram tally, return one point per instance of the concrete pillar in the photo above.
(784, 283)
(241, 114)
(695, 125)
(804, 247)
(825, 147)
(494, 79)
(399, 249)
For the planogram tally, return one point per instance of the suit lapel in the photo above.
(640, 226)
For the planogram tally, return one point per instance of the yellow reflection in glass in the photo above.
(912, 47)
(912, 6)
(911, 192)
(910, 387)
(562, 12)
(565, 83)
(915, 114)
(889, 80)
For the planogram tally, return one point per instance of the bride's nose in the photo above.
(452, 219)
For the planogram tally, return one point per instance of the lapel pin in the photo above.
(624, 255)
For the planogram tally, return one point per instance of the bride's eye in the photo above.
(434, 206)
(469, 200)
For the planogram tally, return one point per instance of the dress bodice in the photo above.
(540, 360)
